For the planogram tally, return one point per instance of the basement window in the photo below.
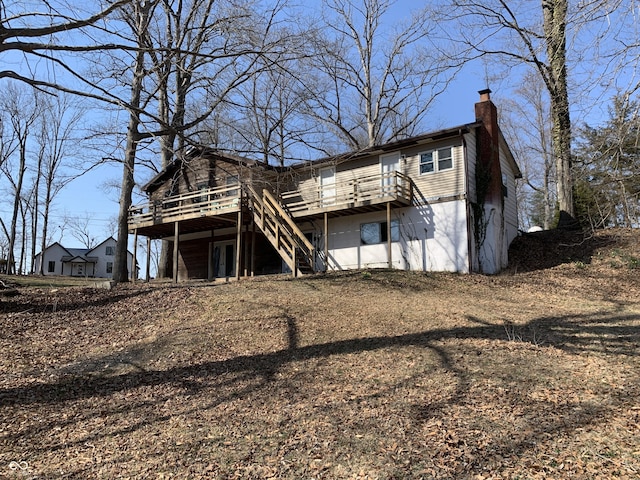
(436, 160)
(376, 232)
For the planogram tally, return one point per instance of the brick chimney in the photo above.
(488, 146)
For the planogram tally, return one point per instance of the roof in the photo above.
(79, 259)
(417, 140)
(81, 253)
(191, 153)
(395, 145)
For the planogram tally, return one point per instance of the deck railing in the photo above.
(281, 230)
(369, 190)
(204, 202)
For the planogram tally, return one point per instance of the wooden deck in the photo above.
(218, 207)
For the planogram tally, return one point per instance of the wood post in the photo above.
(239, 241)
(253, 247)
(211, 264)
(176, 241)
(133, 260)
(389, 234)
(326, 241)
(148, 269)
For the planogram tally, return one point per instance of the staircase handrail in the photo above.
(295, 238)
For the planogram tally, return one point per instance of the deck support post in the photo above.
(253, 246)
(239, 240)
(246, 251)
(389, 234)
(176, 241)
(211, 274)
(133, 260)
(326, 241)
(147, 275)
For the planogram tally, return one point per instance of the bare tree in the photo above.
(43, 35)
(528, 130)
(267, 112)
(538, 36)
(80, 229)
(139, 17)
(375, 85)
(23, 109)
(195, 54)
(57, 148)
(193, 57)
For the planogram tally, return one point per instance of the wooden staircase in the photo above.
(282, 232)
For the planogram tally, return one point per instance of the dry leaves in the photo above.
(384, 375)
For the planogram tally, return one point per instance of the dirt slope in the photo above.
(533, 373)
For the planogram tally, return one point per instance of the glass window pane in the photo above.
(395, 231)
(445, 160)
(426, 162)
(370, 233)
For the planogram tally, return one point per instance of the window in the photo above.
(231, 181)
(372, 233)
(201, 187)
(109, 267)
(436, 160)
(110, 251)
(51, 267)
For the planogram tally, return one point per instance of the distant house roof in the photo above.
(79, 259)
(81, 254)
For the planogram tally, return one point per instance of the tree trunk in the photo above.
(555, 15)
(11, 269)
(120, 267)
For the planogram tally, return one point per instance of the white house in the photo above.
(96, 262)
(441, 201)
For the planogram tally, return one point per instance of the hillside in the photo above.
(533, 373)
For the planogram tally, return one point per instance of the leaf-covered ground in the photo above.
(531, 374)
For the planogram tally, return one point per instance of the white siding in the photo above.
(53, 253)
(101, 252)
(432, 238)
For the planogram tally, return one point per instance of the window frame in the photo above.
(51, 266)
(109, 267)
(381, 232)
(436, 161)
(110, 250)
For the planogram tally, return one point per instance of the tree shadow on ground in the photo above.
(111, 398)
(606, 332)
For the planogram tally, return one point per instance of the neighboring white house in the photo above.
(94, 262)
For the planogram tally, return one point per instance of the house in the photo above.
(80, 262)
(442, 201)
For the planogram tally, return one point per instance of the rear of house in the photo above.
(444, 201)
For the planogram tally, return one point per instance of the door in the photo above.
(224, 264)
(389, 164)
(328, 186)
